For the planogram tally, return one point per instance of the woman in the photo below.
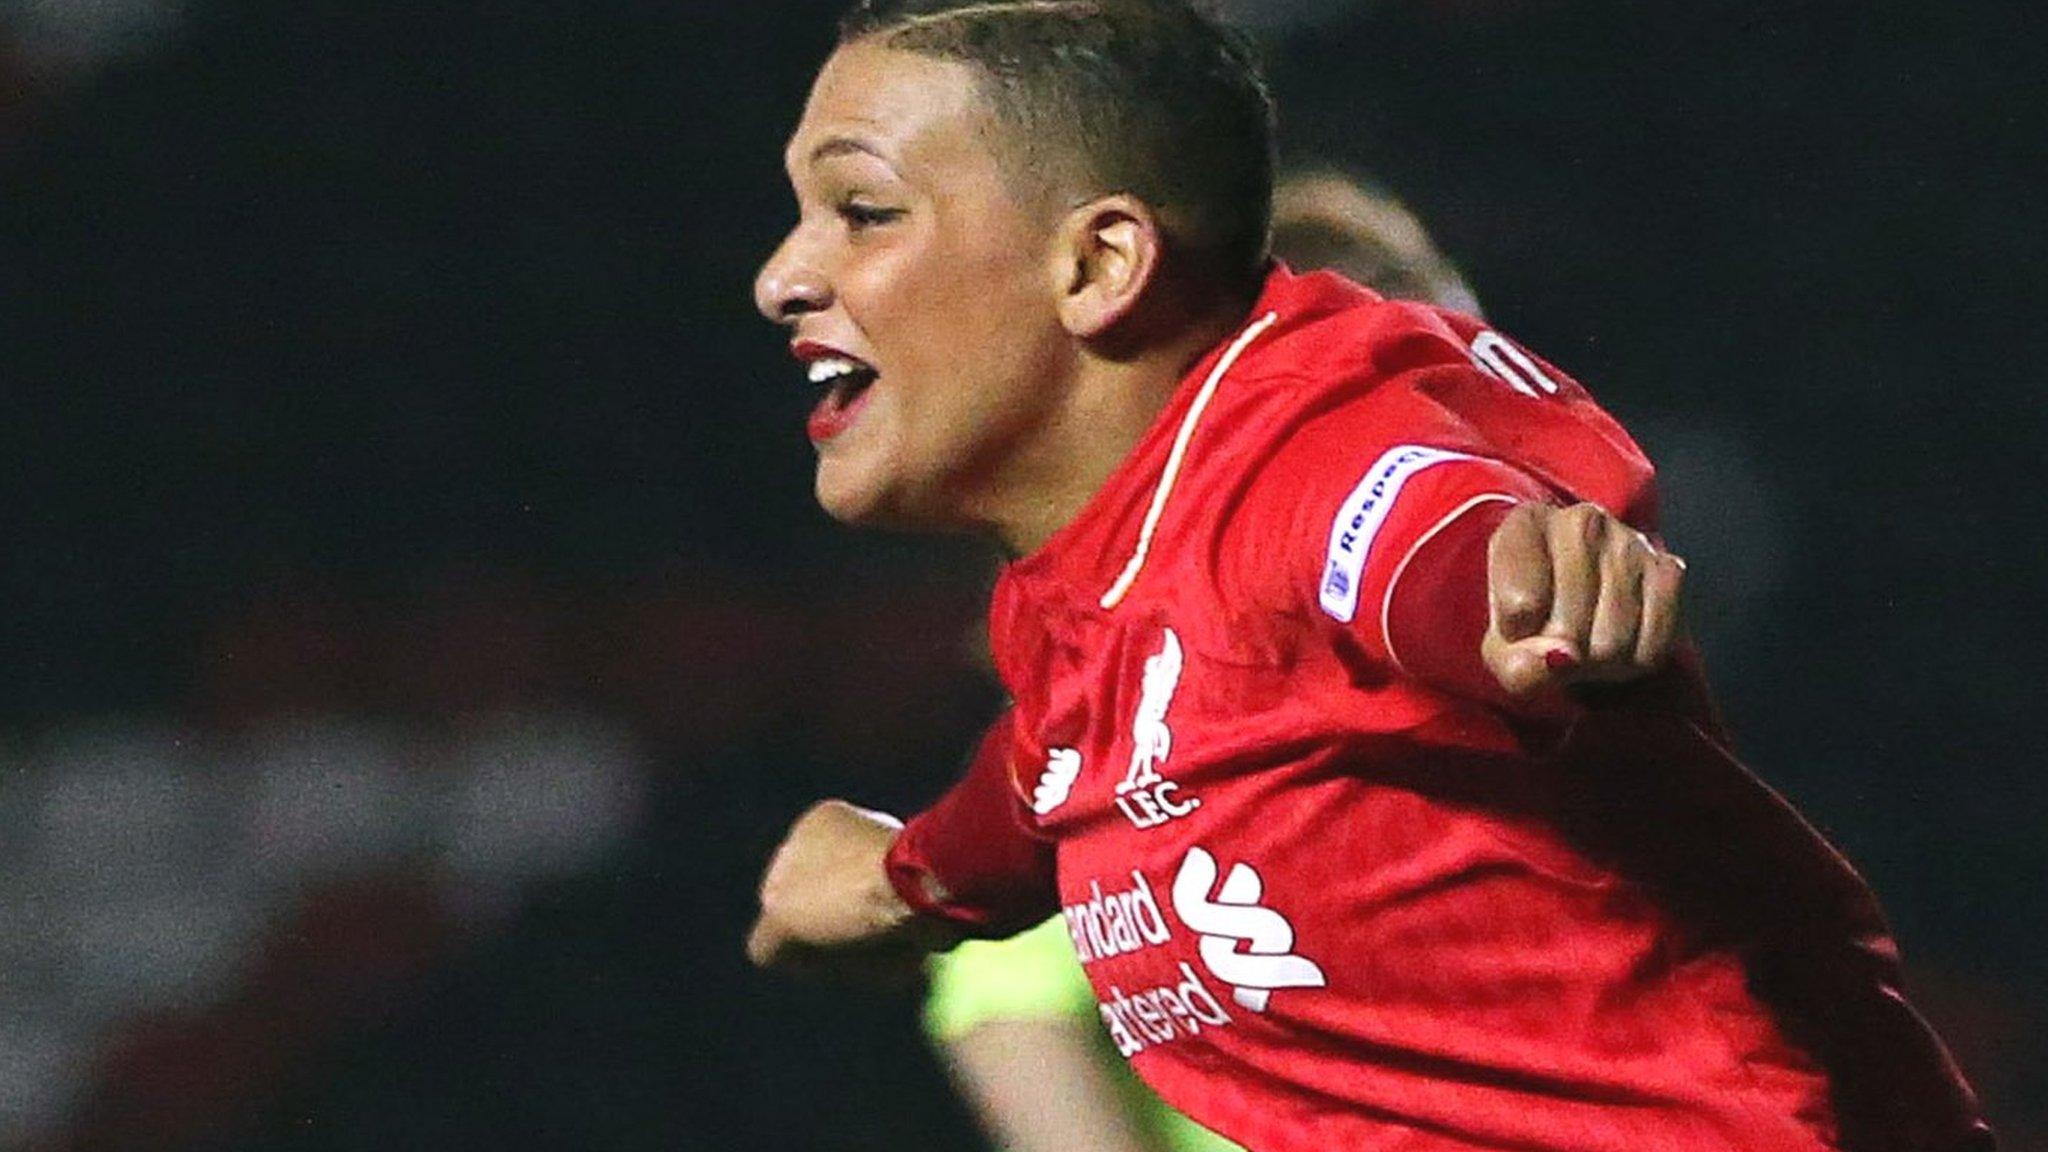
(1295, 596)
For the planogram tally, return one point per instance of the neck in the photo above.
(1111, 404)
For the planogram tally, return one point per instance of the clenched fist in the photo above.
(1577, 597)
(826, 898)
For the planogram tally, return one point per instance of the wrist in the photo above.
(916, 900)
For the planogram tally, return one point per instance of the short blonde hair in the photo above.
(1325, 219)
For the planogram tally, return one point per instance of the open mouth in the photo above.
(845, 382)
(843, 378)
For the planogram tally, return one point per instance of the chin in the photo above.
(864, 501)
(846, 507)
(852, 499)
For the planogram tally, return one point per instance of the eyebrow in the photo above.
(845, 146)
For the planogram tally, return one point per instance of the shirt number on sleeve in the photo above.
(1498, 357)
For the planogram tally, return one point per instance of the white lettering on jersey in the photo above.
(1062, 768)
(1116, 922)
(1360, 518)
(1138, 1020)
(1499, 358)
(1235, 917)
(1146, 798)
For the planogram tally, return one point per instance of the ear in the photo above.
(1105, 255)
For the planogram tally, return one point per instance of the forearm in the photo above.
(971, 859)
(849, 884)
(826, 897)
(1437, 616)
(1042, 1085)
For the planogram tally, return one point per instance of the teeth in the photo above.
(832, 368)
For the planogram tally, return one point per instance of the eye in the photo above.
(860, 214)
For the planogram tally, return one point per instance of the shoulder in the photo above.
(1352, 340)
(1331, 388)
(1356, 426)
(1341, 440)
(1357, 372)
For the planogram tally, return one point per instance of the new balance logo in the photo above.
(1265, 962)
(1145, 797)
(1062, 768)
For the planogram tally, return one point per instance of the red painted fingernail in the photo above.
(1560, 660)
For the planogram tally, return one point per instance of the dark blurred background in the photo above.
(415, 628)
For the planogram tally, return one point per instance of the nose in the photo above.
(790, 285)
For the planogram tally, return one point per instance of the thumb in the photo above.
(765, 943)
(1527, 667)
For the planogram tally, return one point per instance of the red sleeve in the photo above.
(1437, 612)
(1406, 538)
(1386, 546)
(973, 859)
(1374, 514)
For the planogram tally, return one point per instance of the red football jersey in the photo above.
(1331, 890)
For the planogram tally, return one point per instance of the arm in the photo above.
(1019, 1029)
(1556, 597)
(854, 887)
(1042, 1085)
(1459, 570)
(1016, 1023)
(826, 898)
(974, 860)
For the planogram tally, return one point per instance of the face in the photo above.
(918, 291)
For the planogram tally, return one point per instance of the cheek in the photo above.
(961, 330)
(901, 302)
(941, 323)
(981, 304)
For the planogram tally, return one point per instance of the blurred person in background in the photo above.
(1335, 880)
(1015, 1020)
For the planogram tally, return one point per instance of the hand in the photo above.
(1577, 597)
(826, 900)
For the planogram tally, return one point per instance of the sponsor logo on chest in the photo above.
(1241, 943)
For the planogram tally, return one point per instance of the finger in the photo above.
(1663, 579)
(894, 968)
(1576, 538)
(1518, 573)
(1617, 617)
(764, 944)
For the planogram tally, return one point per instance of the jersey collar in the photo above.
(1099, 555)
